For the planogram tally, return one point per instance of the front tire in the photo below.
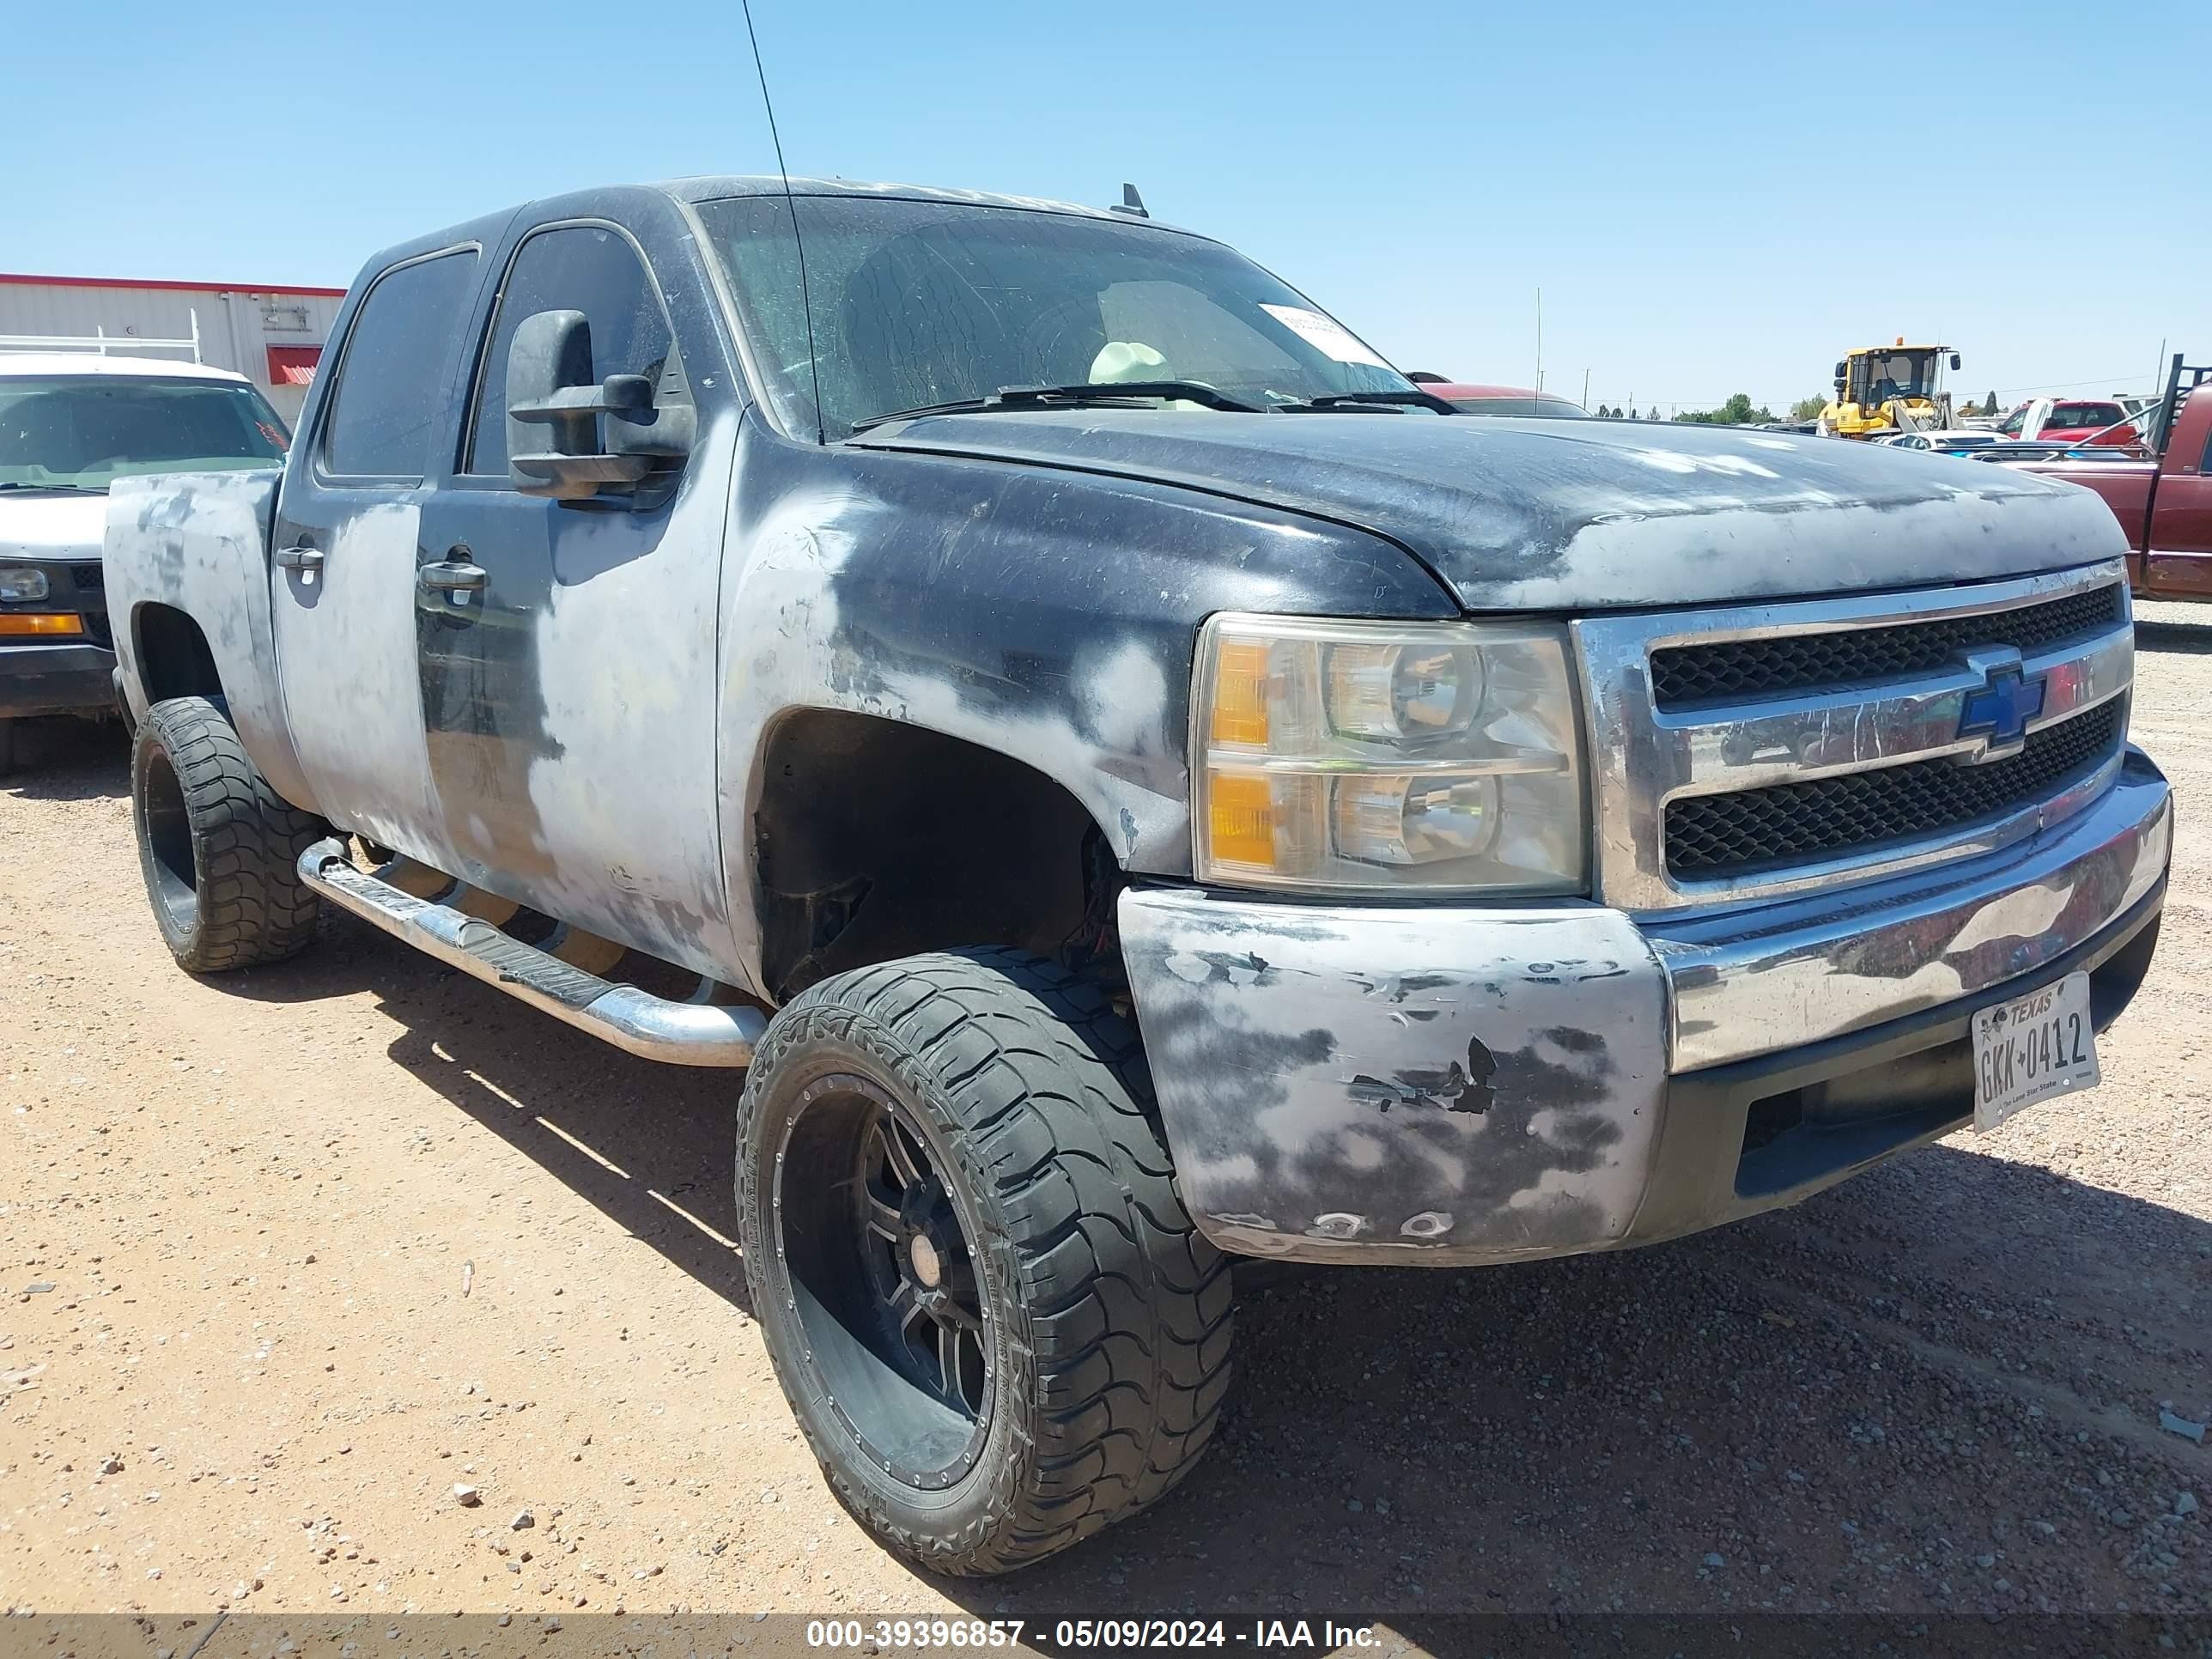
(219, 848)
(997, 1325)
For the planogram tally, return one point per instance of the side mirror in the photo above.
(1954, 360)
(1839, 373)
(549, 391)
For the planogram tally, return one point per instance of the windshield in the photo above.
(929, 302)
(84, 431)
(1898, 374)
(1552, 409)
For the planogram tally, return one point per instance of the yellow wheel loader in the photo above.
(1883, 390)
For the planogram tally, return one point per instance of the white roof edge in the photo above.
(14, 364)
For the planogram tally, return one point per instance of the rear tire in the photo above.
(960, 1146)
(219, 848)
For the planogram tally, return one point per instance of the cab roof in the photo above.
(714, 186)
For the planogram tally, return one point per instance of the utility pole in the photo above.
(1586, 388)
(1539, 339)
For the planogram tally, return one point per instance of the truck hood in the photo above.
(1581, 515)
(64, 524)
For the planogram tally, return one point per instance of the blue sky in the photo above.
(1713, 197)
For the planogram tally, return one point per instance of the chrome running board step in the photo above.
(682, 1033)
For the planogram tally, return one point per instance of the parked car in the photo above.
(1941, 443)
(1126, 803)
(71, 424)
(2070, 421)
(2164, 503)
(1471, 399)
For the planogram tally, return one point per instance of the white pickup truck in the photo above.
(1135, 779)
(71, 424)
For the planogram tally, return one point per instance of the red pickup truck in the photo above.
(2165, 504)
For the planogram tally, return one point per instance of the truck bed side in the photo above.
(2125, 486)
(187, 570)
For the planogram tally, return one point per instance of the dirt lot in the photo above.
(290, 1254)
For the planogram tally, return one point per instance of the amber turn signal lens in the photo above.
(24, 623)
(1240, 693)
(1241, 813)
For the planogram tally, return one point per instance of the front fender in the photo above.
(1047, 615)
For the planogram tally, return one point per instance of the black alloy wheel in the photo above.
(997, 1325)
(885, 1282)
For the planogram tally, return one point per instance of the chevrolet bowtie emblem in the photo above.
(2002, 707)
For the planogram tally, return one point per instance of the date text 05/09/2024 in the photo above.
(900, 1635)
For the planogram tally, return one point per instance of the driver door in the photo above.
(564, 652)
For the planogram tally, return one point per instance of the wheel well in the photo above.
(875, 839)
(174, 658)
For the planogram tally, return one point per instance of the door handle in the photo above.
(301, 558)
(441, 577)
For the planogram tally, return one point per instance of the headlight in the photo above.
(16, 587)
(1387, 756)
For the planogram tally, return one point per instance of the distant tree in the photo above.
(1736, 412)
(1989, 405)
(1808, 409)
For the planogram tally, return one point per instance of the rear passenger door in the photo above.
(568, 694)
(347, 538)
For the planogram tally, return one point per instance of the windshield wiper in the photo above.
(1103, 394)
(78, 488)
(1411, 398)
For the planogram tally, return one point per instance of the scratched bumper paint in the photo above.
(1365, 1084)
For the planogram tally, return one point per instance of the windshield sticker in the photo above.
(1326, 334)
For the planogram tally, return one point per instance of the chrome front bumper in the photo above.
(1802, 969)
(1454, 1086)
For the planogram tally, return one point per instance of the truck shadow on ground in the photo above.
(70, 759)
(2188, 638)
(651, 1145)
(1847, 1405)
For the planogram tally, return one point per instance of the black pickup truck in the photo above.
(1133, 779)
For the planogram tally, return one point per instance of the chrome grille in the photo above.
(1729, 671)
(1752, 752)
(1712, 834)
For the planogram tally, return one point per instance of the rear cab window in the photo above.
(2090, 414)
(388, 397)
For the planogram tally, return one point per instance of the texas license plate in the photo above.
(2033, 1048)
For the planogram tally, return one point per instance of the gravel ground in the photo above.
(291, 1256)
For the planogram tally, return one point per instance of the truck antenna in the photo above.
(805, 299)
